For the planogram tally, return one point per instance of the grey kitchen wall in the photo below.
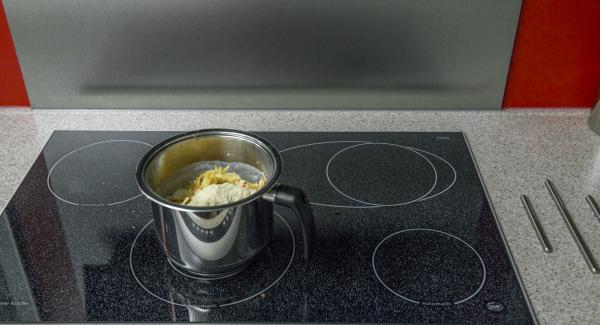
(398, 54)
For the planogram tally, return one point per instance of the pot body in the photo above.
(214, 244)
(218, 241)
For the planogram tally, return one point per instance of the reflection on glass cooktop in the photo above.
(405, 234)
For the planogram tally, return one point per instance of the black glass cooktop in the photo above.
(405, 234)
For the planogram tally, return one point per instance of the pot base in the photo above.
(205, 276)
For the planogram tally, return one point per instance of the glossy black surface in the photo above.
(430, 252)
(452, 271)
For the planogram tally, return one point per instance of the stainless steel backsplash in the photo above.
(405, 54)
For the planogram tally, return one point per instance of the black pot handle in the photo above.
(295, 199)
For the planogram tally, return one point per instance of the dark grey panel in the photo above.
(253, 54)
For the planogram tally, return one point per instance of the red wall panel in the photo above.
(12, 87)
(556, 59)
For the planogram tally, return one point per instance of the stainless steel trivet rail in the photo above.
(583, 249)
(537, 226)
(593, 205)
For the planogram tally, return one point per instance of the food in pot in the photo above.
(217, 186)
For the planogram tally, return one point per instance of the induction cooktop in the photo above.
(404, 234)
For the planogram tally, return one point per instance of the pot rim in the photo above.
(156, 149)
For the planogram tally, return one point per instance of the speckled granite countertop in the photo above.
(515, 150)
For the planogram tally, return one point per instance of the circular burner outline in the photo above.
(220, 305)
(76, 150)
(380, 204)
(449, 165)
(374, 206)
(484, 278)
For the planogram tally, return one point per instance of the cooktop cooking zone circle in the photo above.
(406, 162)
(81, 178)
(155, 275)
(429, 267)
(390, 174)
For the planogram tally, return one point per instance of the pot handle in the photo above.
(295, 199)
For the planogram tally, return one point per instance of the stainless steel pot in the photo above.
(219, 241)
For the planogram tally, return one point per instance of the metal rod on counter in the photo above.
(537, 226)
(583, 249)
(592, 203)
